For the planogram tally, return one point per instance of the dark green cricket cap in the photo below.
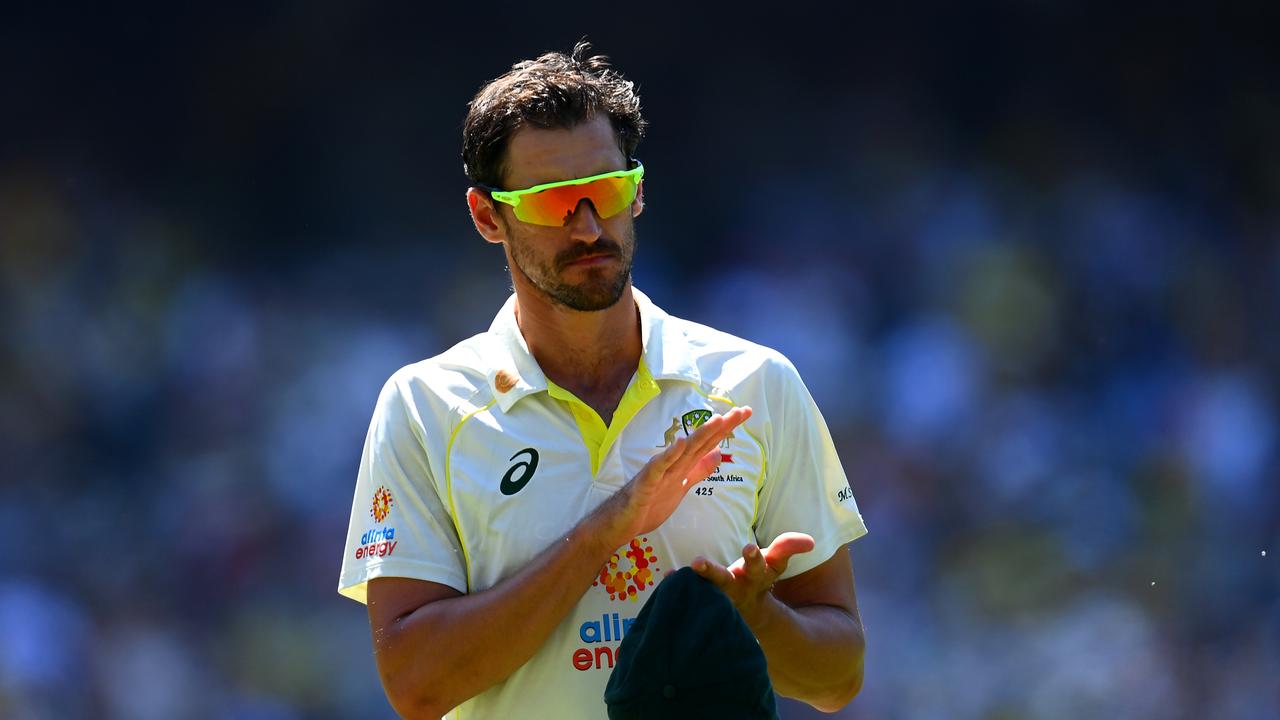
(689, 655)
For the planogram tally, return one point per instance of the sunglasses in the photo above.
(553, 204)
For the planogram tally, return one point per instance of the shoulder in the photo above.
(728, 361)
(455, 382)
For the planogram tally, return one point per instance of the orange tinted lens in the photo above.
(555, 206)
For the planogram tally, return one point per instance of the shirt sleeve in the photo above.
(805, 488)
(399, 525)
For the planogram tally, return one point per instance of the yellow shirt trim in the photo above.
(448, 488)
(764, 460)
(598, 438)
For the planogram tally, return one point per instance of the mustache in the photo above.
(602, 246)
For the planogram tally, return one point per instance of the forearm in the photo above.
(815, 653)
(448, 651)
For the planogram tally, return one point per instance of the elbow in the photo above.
(412, 692)
(414, 701)
(837, 697)
(843, 692)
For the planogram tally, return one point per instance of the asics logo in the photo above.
(521, 473)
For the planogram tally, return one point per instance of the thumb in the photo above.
(784, 547)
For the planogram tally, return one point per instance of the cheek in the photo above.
(623, 229)
(530, 252)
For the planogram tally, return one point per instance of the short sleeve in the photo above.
(805, 488)
(399, 525)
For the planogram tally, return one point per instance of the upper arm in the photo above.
(390, 599)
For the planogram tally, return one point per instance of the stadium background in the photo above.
(1026, 257)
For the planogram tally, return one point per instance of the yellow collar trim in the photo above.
(598, 438)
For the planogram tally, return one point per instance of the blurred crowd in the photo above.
(1047, 351)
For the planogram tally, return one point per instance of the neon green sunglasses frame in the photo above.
(515, 197)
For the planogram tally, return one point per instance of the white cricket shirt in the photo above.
(474, 463)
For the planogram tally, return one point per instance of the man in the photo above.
(521, 494)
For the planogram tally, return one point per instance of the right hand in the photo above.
(653, 494)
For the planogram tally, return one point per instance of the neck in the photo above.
(591, 354)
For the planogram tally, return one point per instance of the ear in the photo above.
(484, 214)
(637, 205)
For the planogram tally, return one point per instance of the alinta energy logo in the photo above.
(378, 542)
(382, 502)
(625, 583)
(601, 637)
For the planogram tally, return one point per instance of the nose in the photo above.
(584, 224)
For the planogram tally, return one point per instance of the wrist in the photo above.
(761, 615)
(605, 529)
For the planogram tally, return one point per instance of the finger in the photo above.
(717, 574)
(668, 456)
(692, 465)
(736, 417)
(673, 452)
(753, 565)
(705, 465)
(706, 438)
(702, 443)
(710, 434)
(724, 424)
(719, 426)
(784, 547)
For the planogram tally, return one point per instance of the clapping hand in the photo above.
(749, 579)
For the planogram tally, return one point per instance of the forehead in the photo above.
(537, 155)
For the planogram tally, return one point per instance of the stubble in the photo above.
(599, 287)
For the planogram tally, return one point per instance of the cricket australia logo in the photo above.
(691, 421)
(694, 419)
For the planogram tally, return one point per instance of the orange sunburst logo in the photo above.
(382, 502)
(626, 584)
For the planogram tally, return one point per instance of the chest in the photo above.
(518, 481)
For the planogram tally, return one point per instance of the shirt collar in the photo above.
(514, 373)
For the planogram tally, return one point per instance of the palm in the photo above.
(657, 490)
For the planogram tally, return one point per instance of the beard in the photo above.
(601, 287)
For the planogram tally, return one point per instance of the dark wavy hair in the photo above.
(552, 92)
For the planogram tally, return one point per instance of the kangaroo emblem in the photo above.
(670, 436)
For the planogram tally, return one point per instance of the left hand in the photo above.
(748, 580)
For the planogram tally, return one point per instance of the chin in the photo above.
(590, 297)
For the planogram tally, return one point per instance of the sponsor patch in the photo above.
(378, 542)
(382, 504)
(595, 653)
(625, 583)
